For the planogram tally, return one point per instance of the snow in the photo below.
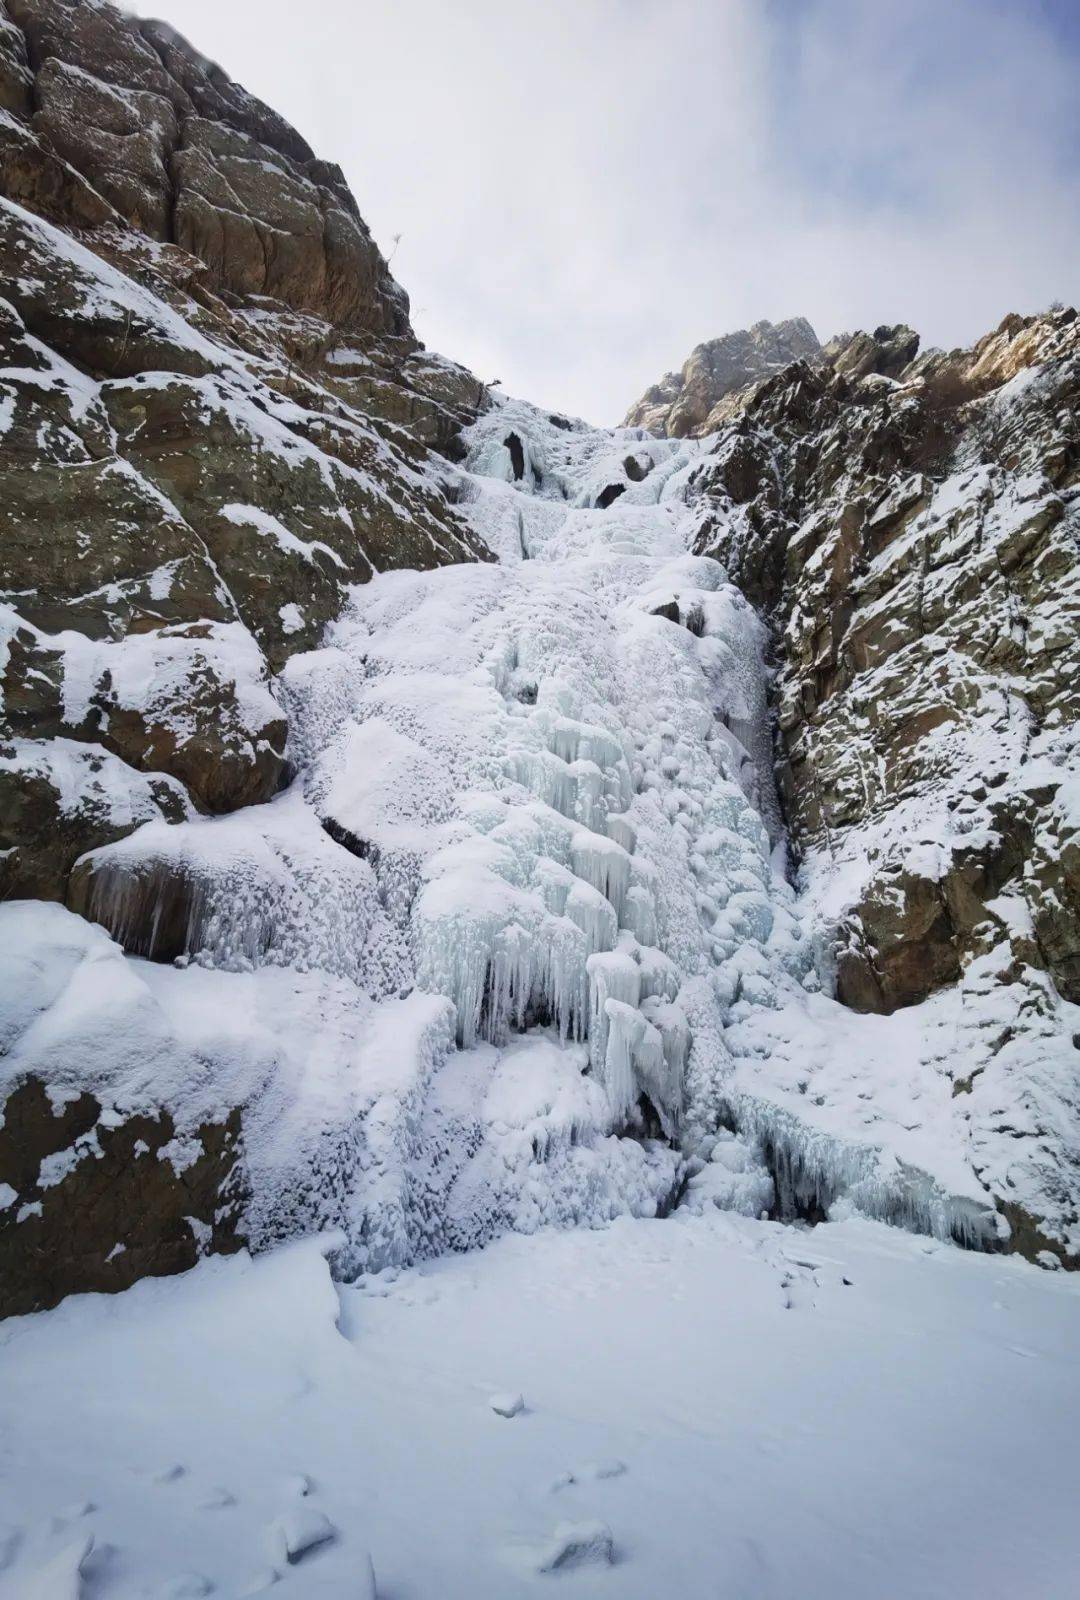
(299, 1530)
(243, 516)
(507, 1405)
(745, 1408)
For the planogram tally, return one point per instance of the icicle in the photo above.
(582, 741)
(620, 785)
(813, 1170)
(564, 990)
(639, 914)
(151, 908)
(554, 884)
(603, 863)
(593, 914)
(659, 975)
(622, 830)
(653, 1077)
(671, 1024)
(612, 976)
(510, 983)
(625, 1027)
(590, 804)
(546, 776)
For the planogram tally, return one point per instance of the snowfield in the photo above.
(713, 1406)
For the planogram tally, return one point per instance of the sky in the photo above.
(582, 190)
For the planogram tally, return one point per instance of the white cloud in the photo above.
(585, 190)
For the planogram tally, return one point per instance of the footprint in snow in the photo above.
(61, 1577)
(591, 1472)
(571, 1545)
(507, 1405)
(259, 1582)
(298, 1532)
(10, 1539)
(797, 1287)
(217, 1499)
(185, 1586)
(61, 1520)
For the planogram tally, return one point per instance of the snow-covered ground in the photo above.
(713, 1406)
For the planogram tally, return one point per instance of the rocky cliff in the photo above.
(914, 540)
(683, 404)
(422, 815)
(909, 525)
(215, 418)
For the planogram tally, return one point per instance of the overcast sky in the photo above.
(585, 189)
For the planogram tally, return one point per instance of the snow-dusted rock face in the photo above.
(119, 118)
(390, 840)
(189, 487)
(914, 541)
(214, 421)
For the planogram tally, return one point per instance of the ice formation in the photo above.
(517, 945)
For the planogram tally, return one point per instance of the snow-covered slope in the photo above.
(712, 1407)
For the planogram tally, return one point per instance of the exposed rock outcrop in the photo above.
(93, 1203)
(916, 544)
(215, 419)
(683, 403)
(911, 526)
(182, 154)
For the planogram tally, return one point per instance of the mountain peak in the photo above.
(681, 403)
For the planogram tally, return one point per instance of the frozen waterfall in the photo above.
(528, 798)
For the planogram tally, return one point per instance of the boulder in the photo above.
(91, 1203)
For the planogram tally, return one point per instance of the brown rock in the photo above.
(121, 1211)
(683, 402)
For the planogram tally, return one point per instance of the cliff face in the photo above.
(914, 540)
(215, 419)
(683, 404)
(912, 535)
(397, 781)
(208, 378)
(120, 119)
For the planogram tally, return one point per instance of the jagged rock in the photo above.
(916, 546)
(59, 799)
(682, 403)
(215, 419)
(183, 508)
(884, 353)
(185, 155)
